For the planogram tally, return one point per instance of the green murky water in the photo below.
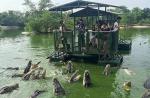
(17, 50)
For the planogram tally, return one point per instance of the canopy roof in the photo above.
(79, 4)
(88, 11)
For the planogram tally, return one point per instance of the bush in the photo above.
(42, 22)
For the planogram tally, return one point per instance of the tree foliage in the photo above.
(135, 16)
(12, 18)
(45, 22)
(38, 19)
(30, 5)
(42, 5)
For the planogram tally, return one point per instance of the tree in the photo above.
(30, 5)
(137, 14)
(45, 22)
(12, 18)
(42, 5)
(125, 13)
(146, 13)
(38, 18)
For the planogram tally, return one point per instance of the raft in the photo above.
(84, 42)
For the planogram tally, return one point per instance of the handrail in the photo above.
(103, 31)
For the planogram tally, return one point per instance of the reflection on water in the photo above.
(12, 34)
(17, 50)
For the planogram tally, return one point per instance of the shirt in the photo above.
(116, 26)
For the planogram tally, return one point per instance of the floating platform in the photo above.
(113, 59)
(124, 45)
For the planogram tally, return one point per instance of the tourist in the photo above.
(81, 30)
(116, 26)
(105, 27)
(99, 24)
(62, 27)
(81, 26)
(62, 43)
(105, 49)
(94, 41)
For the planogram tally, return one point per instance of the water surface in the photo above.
(16, 50)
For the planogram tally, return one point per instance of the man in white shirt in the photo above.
(116, 26)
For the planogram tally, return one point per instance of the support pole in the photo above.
(87, 22)
(98, 36)
(98, 32)
(106, 14)
(61, 16)
(105, 9)
(73, 35)
(92, 21)
(98, 12)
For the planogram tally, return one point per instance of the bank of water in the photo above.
(17, 50)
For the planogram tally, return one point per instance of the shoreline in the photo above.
(135, 26)
(5, 28)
